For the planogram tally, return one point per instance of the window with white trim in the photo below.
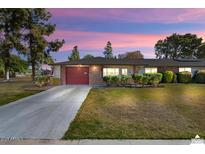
(124, 71)
(151, 70)
(184, 69)
(110, 71)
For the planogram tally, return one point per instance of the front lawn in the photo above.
(171, 112)
(17, 89)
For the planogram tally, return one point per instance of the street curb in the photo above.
(100, 142)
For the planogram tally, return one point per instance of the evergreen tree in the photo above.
(108, 50)
(38, 28)
(11, 23)
(74, 54)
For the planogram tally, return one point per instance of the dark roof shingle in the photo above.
(138, 62)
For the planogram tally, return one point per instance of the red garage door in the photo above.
(77, 75)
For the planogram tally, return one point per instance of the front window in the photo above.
(110, 71)
(151, 70)
(124, 71)
(185, 69)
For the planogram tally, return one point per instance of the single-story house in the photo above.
(91, 71)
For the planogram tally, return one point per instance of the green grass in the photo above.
(16, 89)
(171, 112)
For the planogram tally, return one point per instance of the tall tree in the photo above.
(88, 56)
(75, 55)
(131, 55)
(18, 65)
(11, 22)
(38, 29)
(162, 49)
(178, 46)
(200, 52)
(108, 50)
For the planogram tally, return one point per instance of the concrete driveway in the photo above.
(45, 115)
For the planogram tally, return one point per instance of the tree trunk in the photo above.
(33, 70)
(6, 76)
(7, 64)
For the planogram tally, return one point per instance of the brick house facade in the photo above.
(97, 66)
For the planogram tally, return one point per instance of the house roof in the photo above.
(138, 62)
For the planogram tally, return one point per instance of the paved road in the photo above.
(46, 115)
(103, 142)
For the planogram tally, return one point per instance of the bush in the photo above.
(184, 77)
(45, 80)
(200, 77)
(154, 78)
(145, 80)
(112, 80)
(137, 78)
(107, 79)
(41, 81)
(115, 80)
(174, 78)
(124, 79)
(55, 81)
(168, 76)
(151, 78)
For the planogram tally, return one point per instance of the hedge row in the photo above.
(116, 80)
(184, 77)
(155, 78)
(145, 79)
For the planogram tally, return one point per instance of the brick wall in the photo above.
(95, 75)
(63, 74)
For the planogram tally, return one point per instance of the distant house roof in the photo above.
(137, 62)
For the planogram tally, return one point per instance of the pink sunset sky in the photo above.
(126, 29)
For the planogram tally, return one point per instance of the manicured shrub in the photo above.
(124, 79)
(168, 76)
(199, 76)
(154, 78)
(145, 80)
(115, 80)
(137, 78)
(184, 77)
(158, 76)
(107, 79)
(174, 78)
(112, 80)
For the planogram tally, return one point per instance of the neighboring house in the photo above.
(91, 71)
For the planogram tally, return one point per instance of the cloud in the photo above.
(97, 40)
(136, 15)
(74, 29)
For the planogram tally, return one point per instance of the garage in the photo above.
(77, 75)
